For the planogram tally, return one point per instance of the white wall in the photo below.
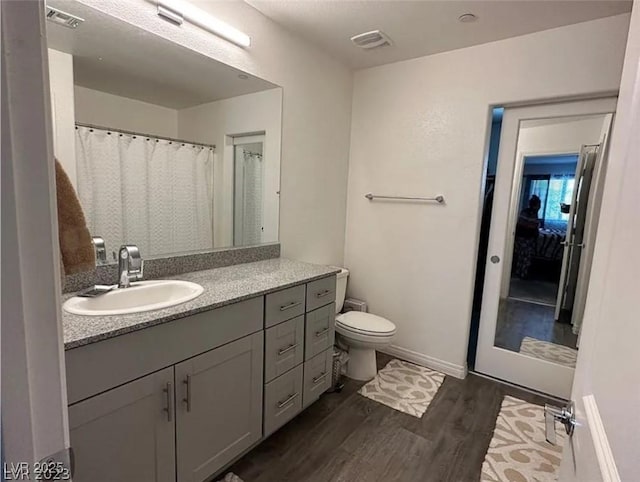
(559, 137)
(108, 110)
(215, 122)
(62, 111)
(315, 116)
(421, 127)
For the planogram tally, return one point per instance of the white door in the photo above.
(493, 357)
(606, 441)
(571, 246)
(249, 192)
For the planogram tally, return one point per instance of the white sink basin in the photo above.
(140, 296)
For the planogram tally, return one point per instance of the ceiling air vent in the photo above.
(63, 18)
(371, 40)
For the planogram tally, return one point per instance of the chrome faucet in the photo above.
(130, 265)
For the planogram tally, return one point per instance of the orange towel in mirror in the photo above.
(76, 247)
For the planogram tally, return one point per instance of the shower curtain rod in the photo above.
(131, 133)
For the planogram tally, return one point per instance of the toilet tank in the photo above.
(341, 288)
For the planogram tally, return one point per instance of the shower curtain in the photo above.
(154, 193)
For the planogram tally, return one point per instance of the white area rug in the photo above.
(231, 477)
(545, 350)
(404, 386)
(518, 451)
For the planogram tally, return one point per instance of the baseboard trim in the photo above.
(600, 441)
(421, 359)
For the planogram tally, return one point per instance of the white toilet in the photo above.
(362, 332)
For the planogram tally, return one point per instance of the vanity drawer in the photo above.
(317, 377)
(321, 292)
(282, 399)
(284, 305)
(319, 330)
(284, 347)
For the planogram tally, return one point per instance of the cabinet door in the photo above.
(127, 433)
(219, 407)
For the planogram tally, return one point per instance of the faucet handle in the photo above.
(100, 249)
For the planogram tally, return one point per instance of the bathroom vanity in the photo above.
(179, 393)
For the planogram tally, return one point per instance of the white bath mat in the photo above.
(518, 451)
(231, 477)
(404, 386)
(545, 350)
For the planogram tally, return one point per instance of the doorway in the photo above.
(248, 205)
(551, 164)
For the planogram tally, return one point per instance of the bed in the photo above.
(549, 244)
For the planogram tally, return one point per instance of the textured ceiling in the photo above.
(421, 28)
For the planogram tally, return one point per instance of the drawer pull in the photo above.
(320, 377)
(293, 304)
(322, 332)
(168, 390)
(282, 351)
(187, 399)
(289, 399)
(321, 294)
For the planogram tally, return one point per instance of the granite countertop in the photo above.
(222, 286)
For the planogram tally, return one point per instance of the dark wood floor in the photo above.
(517, 319)
(347, 437)
(534, 290)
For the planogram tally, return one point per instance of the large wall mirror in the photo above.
(168, 149)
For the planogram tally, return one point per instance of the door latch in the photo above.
(565, 415)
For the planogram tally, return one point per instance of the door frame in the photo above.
(540, 375)
(34, 399)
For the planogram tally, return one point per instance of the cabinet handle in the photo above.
(322, 293)
(322, 332)
(282, 351)
(168, 390)
(187, 399)
(289, 399)
(320, 377)
(293, 304)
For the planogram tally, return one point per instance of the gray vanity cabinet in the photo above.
(126, 433)
(179, 401)
(218, 407)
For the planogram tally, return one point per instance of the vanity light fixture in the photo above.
(62, 18)
(177, 11)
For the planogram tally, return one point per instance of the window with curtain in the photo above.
(553, 191)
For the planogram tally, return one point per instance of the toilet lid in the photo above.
(367, 323)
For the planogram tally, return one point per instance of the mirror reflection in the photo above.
(167, 149)
(545, 275)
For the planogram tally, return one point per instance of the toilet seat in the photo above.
(367, 324)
